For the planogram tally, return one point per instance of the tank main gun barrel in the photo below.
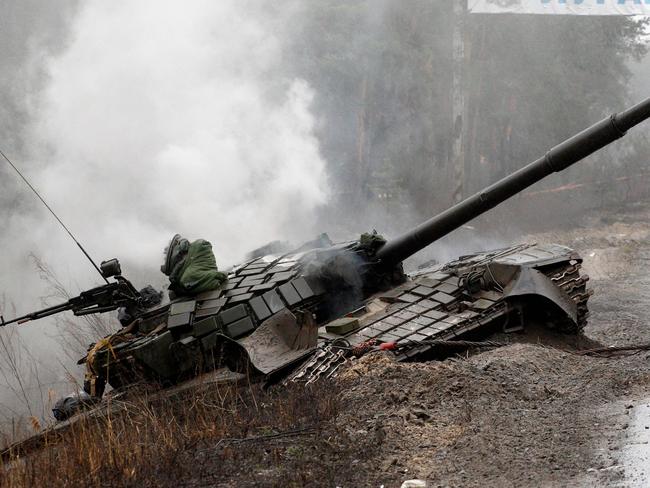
(557, 159)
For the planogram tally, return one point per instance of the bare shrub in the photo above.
(76, 333)
(27, 385)
(21, 387)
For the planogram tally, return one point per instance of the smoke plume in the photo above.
(163, 117)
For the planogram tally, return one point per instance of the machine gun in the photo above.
(105, 298)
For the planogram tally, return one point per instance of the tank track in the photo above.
(325, 363)
(574, 284)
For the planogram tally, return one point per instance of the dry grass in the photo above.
(216, 436)
(225, 436)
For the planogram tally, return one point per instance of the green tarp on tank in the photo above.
(198, 272)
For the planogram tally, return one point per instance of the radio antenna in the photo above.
(54, 214)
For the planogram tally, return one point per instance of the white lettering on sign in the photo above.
(561, 7)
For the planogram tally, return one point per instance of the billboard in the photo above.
(560, 7)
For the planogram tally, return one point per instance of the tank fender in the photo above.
(533, 282)
(279, 341)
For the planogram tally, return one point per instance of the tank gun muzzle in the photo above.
(557, 159)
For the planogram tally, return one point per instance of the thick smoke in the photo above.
(161, 118)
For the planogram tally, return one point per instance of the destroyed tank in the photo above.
(302, 314)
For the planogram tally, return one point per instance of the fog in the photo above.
(243, 122)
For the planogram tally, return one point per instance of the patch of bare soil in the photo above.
(522, 415)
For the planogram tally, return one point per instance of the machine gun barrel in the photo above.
(557, 159)
(37, 315)
(101, 299)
